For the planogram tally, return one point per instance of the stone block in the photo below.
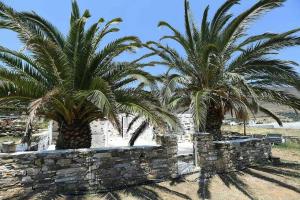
(9, 182)
(212, 158)
(49, 162)
(68, 179)
(33, 171)
(102, 155)
(26, 179)
(38, 162)
(70, 171)
(63, 162)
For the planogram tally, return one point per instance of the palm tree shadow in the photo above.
(273, 180)
(143, 193)
(110, 196)
(204, 183)
(231, 179)
(177, 180)
(39, 194)
(140, 192)
(172, 192)
(278, 172)
(289, 165)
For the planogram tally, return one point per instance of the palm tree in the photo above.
(163, 91)
(74, 79)
(225, 70)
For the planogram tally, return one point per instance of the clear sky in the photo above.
(141, 17)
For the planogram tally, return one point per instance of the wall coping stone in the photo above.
(202, 134)
(236, 141)
(93, 150)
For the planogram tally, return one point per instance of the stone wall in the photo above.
(292, 139)
(232, 155)
(12, 127)
(15, 125)
(88, 170)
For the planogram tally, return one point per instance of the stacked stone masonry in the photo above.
(88, 170)
(95, 170)
(227, 156)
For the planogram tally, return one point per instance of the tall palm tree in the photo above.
(74, 79)
(225, 70)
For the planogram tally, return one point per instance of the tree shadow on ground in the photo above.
(289, 165)
(111, 196)
(271, 179)
(284, 169)
(203, 191)
(278, 172)
(232, 179)
(38, 194)
(229, 179)
(172, 192)
(145, 192)
(178, 180)
(142, 193)
(138, 192)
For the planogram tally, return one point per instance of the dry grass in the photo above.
(263, 131)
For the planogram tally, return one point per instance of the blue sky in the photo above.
(140, 18)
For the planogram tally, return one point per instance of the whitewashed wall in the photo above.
(104, 134)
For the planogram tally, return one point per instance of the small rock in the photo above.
(27, 179)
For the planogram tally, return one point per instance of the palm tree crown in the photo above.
(224, 70)
(74, 79)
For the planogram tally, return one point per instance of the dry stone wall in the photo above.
(88, 170)
(232, 155)
(12, 127)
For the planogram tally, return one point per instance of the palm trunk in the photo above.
(214, 120)
(139, 131)
(74, 136)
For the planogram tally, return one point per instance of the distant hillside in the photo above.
(285, 113)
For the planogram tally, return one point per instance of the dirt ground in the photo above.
(280, 182)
